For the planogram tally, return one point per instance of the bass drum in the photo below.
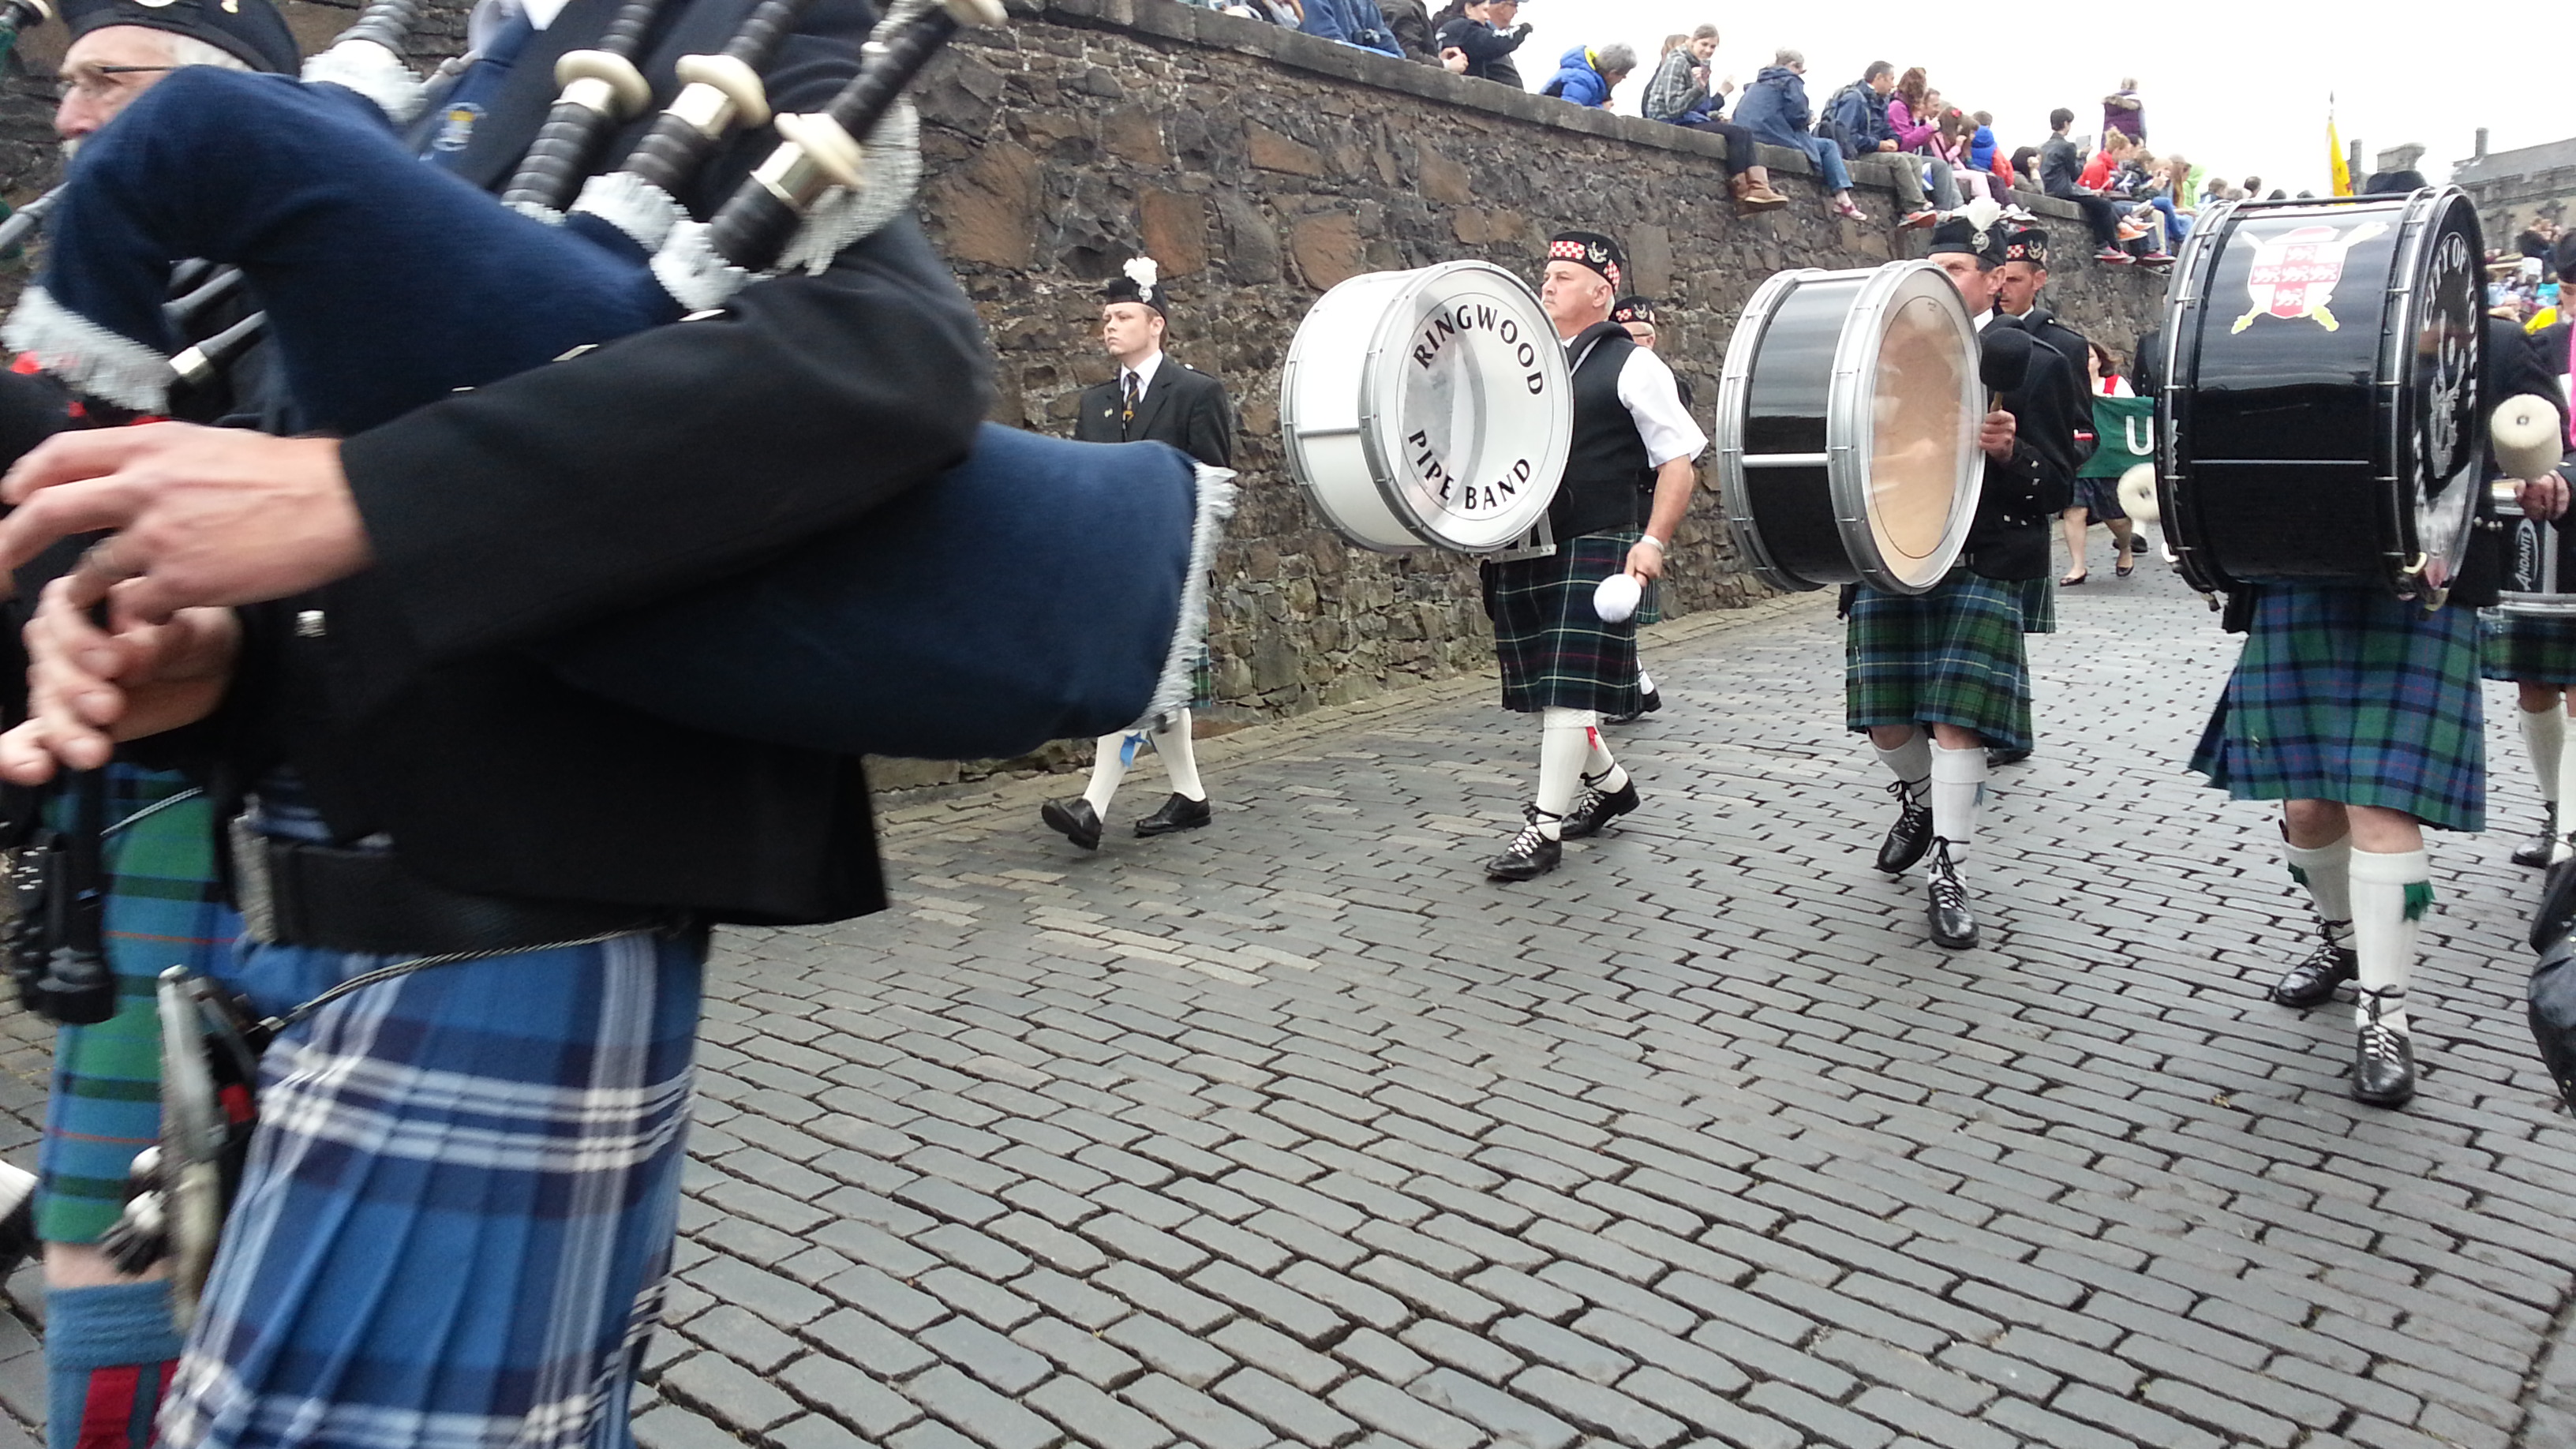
(2322, 393)
(1428, 409)
(1847, 420)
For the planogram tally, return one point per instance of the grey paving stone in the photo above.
(1094, 1417)
(727, 1392)
(869, 1344)
(850, 1395)
(1194, 1415)
(1184, 1356)
(1510, 1420)
(1404, 1418)
(1081, 1351)
(1265, 1348)
(1305, 1319)
(1604, 1411)
(987, 1355)
(1474, 1354)
(979, 1413)
(672, 1427)
(1294, 1413)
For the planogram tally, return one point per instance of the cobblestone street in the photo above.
(1296, 1130)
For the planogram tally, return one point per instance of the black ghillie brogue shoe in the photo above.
(2537, 850)
(1178, 813)
(1075, 818)
(1530, 855)
(1953, 925)
(1910, 836)
(2313, 980)
(1594, 809)
(2383, 1059)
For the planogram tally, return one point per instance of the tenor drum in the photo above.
(1428, 409)
(1847, 420)
(2322, 393)
(2539, 566)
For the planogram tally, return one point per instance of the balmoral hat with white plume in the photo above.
(1139, 281)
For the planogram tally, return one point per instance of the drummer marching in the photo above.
(1935, 678)
(2359, 711)
(1561, 660)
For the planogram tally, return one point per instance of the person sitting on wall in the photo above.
(1776, 111)
(1679, 94)
(1479, 38)
(1587, 76)
(1352, 22)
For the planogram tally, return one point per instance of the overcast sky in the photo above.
(2239, 86)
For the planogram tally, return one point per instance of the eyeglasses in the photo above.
(102, 82)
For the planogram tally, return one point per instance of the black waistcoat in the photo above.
(1600, 488)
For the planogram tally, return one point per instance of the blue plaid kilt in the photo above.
(1203, 680)
(1555, 652)
(2525, 649)
(2350, 695)
(459, 1207)
(164, 908)
(1950, 656)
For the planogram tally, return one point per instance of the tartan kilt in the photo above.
(2350, 695)
(459, 1207)
(1203, 680)
(1555, 652)
(1950, 656)
(2038, 599)
(2523, 649)
(164, 908)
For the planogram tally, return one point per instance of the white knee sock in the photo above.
(2326, 871)
(1911, 764)
(2544, 733)
(2566, 770)
(1958, 789)
(1566, 739)
(1645, 681)
(1180, 760)
(2390, 894)
(1110, 757)
(1600, 771)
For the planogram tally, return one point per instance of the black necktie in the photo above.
(1128, 418)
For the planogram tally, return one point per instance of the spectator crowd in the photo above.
(1935, 154)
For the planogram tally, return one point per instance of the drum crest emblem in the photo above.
(2293, 275)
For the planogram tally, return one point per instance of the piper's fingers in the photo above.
(24, 757)
(58, 723)
(62, 628)
(60, 690)
(61, 510)
(72, 457)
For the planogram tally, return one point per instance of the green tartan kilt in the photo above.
(1555, 652)
(2353, 696)
(2524, 649)
(1203, 680)
(1951, 656)
(164, 908)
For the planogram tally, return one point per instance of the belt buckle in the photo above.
(254, 888)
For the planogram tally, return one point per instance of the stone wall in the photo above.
(1260, 167)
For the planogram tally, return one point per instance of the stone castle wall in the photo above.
(1260, 167)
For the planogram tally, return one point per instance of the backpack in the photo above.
(1832, 129)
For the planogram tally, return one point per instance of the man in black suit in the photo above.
(1155, 398)
(341, 637)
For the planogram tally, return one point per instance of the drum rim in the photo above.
(1734, 385)
(1293, 435)
(1851, 426)
(2419, 214)
(1551, 360)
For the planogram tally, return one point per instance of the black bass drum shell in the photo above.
(2324, 419)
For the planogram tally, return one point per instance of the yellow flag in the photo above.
(2334, 145)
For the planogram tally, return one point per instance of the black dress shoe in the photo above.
(1910, 836)
(1178, 813)
(2312, 982)
(2383, 1060)
(2007, 757)
(1530, 855)
(1953, 924)
(1075, 818)
(1593, 809)
(1647, 703)
(2537, 850)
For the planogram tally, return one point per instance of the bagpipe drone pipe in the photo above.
(387, 284)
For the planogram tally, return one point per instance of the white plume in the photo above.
(1982, 213)
(1143, 272)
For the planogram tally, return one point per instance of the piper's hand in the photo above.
(88, 687)
(1995, 435)
(203, 516)
(2543, 497)
(1645, 561)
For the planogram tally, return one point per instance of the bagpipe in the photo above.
(385, 284)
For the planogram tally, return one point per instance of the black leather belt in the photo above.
(294, 893)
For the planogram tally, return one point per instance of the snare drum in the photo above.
(2322, 393)
(1847, 420)
(2539, 565)
(1428, 409)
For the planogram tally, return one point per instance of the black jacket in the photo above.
(1489, 51)
(2067, 343)
(2510, 367)
(2008, 539)
(412, 705)
(1182, 406)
